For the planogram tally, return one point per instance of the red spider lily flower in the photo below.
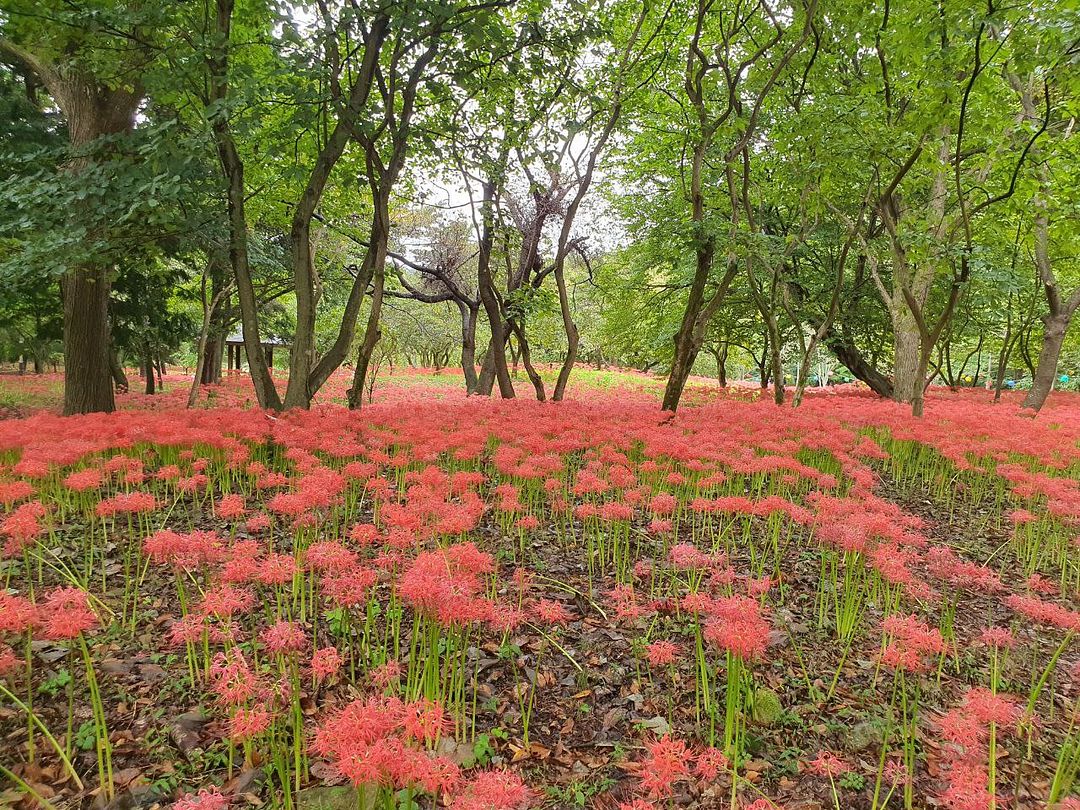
(83, 480)
(232, 680)
(224, 601)
(736, 625)
(710, 763)
(277, 569)
(551, 612)
(12, 491)
(386, 675)
(911, 643)
(258, 523)
(828, 764)
(1045, 612)
(1041, 585)
(185, 552)
(17, 613)
(284, 637)
(445, 585)
(661, 653)
(968, 787)
(231, 507)
(206, 799)
(997, 637)
(493, 790)
(349, 589)
(325, 662)
(329, 555)
(424, 721)
(667, 762)
(246, 724)
(129, 503)
(686, 557)
(9, 662)
(66, 614)
(367, 743)
(22, 527)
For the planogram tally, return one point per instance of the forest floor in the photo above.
(605, 601)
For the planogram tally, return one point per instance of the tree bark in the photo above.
(372, 334)
(233, 167)
(852, 359)
(495, 368)
(88, 379)
(469, 316)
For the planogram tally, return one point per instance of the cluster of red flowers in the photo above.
(967, 728)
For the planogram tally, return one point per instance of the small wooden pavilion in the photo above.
(234, 349)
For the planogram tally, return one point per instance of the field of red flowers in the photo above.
(441, 601)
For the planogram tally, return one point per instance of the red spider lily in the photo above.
(185, 552)
(231, 507)
(66, 614)
(17, 614)
(366, 741)
(997, 637)
(735, 624)
(828, 764)
(203, 800)
(551, 612)
(284, 637)
(710, 763)
(661, 653)
(22, 527)
(911, 642)
(493, 790)
(130, 503)
(325, 663)
(667, 761)
(9, 662)
(246, 724)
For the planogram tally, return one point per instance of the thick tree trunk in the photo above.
(119, 376)
(88, 380)
(148, 372)
(907, 344)
(1046, 368)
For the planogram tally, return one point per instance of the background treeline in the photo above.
(791, 192)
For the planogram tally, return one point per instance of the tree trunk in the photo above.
(526, 360)
(1046, 368)
(367, 347)
(572, 336)
(148, 372)
(88, 380)
(116, 369)
(851, 358)
(469, 316)
(233, 167)
(907, 381)
(499, 332)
